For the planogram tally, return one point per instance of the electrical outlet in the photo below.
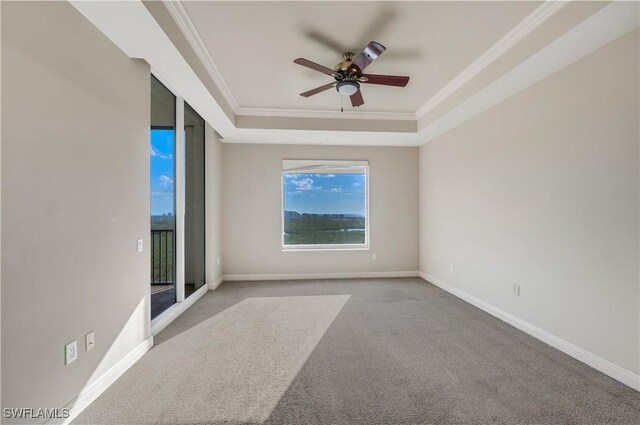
(90, 341)
(140, 245)
(374, 257)
(70, 352)
(516, 289)
(451, 267)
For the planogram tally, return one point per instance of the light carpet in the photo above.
(358, 351)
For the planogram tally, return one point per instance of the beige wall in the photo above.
(75, 198)
(213, 206)
(543, 190)
(252, 216)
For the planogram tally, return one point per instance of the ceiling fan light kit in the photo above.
(348, 74)
(347, 88)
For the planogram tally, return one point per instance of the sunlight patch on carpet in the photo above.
(233, 367)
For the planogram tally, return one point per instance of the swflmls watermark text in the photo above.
(34, 413)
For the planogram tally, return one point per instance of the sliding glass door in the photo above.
(177, 177)
(163, 204)
(194, 223)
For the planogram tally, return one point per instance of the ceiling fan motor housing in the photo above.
(344, 66)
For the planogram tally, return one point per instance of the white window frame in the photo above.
(324, 167)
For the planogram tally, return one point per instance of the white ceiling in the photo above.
(253, 45)
(538, 51)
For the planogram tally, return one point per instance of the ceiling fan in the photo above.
(348, 74)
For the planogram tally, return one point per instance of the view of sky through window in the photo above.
(162, 172)
(325, 193)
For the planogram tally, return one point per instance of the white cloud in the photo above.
(304, 184)
(155, 152)
(335, 189)
(166, 181)
(324, 175)
(166, 195)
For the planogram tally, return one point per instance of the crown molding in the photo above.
(132, 28)
(301, 113)
(188, 29)
(520, 31)
(612, 21)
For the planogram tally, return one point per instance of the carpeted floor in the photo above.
(358, 351)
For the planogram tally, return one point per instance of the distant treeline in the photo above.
(162, 222)
(308, 230)
(296, 214)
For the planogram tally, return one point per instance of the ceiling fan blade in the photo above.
(314, 66)
(326, 41)
(356, 99)
(318, 90)
(368, 55)
(386, 80)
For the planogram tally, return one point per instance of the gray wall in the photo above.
(75, 198)
(543, 190)
(252, 217)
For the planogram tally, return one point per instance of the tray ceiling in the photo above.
(253, 45)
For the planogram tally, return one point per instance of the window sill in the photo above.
(306, 248)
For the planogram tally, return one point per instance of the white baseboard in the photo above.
(93, 390)
(305, 276)
(596, 362)
(172, 313)
(214, 285)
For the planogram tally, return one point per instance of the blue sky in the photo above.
(325, 193)
(305, 193)
(162, 175)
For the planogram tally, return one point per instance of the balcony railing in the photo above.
(162, 270)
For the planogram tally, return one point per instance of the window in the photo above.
(325, 204)
(177, 173)
(163, 198)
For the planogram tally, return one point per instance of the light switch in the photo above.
(90, 341)
(516, 289)
(140, 245)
